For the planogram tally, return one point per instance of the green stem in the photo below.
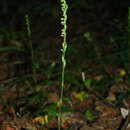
(64, 8)
(30, 45)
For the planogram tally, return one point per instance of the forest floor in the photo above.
(96, 95)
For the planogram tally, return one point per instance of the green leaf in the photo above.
(65, 109)
(81, 95)
(122, 72)
(65, 99)
(11, 48)
(51, 110)
(88, 82)
(89, 115)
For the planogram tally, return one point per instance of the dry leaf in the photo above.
(8, 127)
(124, 112)
(87, 128)
(53, 98)
(111, 97)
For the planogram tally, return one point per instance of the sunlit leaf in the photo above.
(81, 95)
(122, 72)
(41, 119)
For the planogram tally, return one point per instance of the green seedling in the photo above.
(89, 115)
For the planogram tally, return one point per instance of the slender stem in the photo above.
(64, 8)
(30, 44)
